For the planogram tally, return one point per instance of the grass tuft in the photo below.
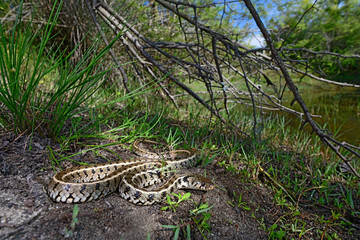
(39, 90)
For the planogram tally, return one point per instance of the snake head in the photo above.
(196, 182)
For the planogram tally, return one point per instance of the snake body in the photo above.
(136, 179)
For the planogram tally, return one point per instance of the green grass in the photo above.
(74, 222)
(292, 163)
(198, 216)
(38, 89)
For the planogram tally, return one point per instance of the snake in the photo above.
(142, 181)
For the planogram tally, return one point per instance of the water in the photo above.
(339, 109)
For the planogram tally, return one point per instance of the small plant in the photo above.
(276, 233)
(229, 167)
(201, 216)
(209, 158)
(175, 228)
(240, 203)
(177, 231)
(75, 220)
(172, 204)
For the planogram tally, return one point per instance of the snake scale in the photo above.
(142, 181)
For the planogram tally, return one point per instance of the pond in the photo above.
(339, 109)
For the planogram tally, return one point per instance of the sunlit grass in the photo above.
(38, 89)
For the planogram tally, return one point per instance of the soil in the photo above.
(26, 212)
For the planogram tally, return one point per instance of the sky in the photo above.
(256, 40)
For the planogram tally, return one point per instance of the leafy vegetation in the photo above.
(39, 95)
(172, 204)
(199, 216)
(75, 220)
(327, 25)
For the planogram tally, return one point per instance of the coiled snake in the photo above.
(132, 178)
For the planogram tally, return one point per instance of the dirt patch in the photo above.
(240, 209)
(26, 212)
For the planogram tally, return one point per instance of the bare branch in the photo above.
(324, 137)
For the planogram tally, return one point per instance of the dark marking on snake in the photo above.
(151, 197)
(186, 179)
(127, 189)
(67, 187)
(137, 195)
(82, 189)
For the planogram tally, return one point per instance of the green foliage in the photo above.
(276, 233)
(200, 216)
(75, 220)
(241, 204)
(329, 26)
(221, 18)
(4, 8)
(133, 127)
(174, 204)
(38, 94)
(176, 230)
(22, 70)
